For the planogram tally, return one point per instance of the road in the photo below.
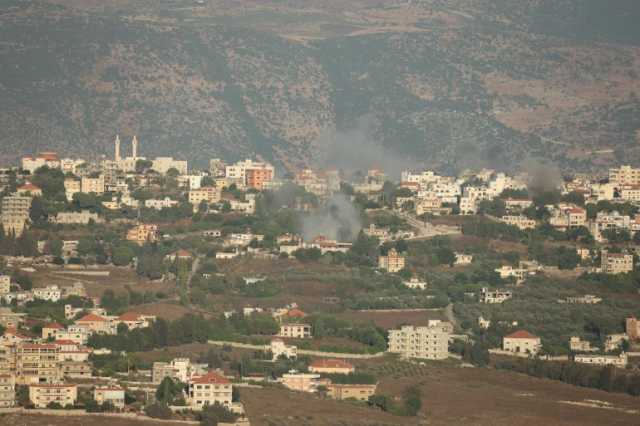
(425, 229)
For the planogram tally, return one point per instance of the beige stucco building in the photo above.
(430, 342)
(522, 342)
(42, 395)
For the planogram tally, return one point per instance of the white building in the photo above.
(295, 331)
(208, 389)
(522, 342)
(415, 283)
(602, 360)
(430, 342)
(111, 394)
(51, 293)
(494, 296)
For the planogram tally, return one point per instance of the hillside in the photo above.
(450, 83)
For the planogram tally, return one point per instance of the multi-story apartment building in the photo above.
(633, 328)
(624, 175)
(358, 392)
(113, 395)
(10, 319)
(51, 293)
(392, 262)
(7, 390)
(258, 174)
(15, 213)
(208, 389)
(5, 284)
(250, 173)
(295, 331)
(42, 395)
(180, 369)
(92, 185)
(208, 194)
(616, 263)
(37, 363)
(430, 342)
(143, 233)
(522, 342)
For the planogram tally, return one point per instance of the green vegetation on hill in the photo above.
(198, 84)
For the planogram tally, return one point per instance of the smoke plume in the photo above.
(356, 149)
(337, 220)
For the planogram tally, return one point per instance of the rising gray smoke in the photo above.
(543, 175)
(356, 149)
(337, 220)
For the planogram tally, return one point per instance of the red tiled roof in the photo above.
(521, 334)
(29, 187)
(129, 316)
(38, 346)
(54, 325)
(64, 342)
(296, 313)
(182, 253)
(51, 156)
(91, 318)
(210, 378)
(330, 363)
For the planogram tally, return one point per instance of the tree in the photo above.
(142, 166)
(213, 414)
(54, 247)
(122, 255)
(158, 411)
(168, 390)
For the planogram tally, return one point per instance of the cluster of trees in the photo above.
(607, 378)
(188, 329)
(485, 228)
(118, 303)
(352, 379)
(329, 326)
(22, 245)
(409, 406)
(562, 257)
(436, 251)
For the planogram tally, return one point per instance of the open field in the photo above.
(453, 395)
(389, 319)
(40, 420)
(117, 280)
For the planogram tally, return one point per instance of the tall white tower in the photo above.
(134, 147)
(117, 143)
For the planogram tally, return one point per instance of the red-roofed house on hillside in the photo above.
(522, 342)
(331, 366)
(49, 159)
(97, 324)
(50, 330)
(207, 390)
(29, 189)
(135, 320)
(295, 313)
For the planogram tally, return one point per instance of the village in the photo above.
(107, 264)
